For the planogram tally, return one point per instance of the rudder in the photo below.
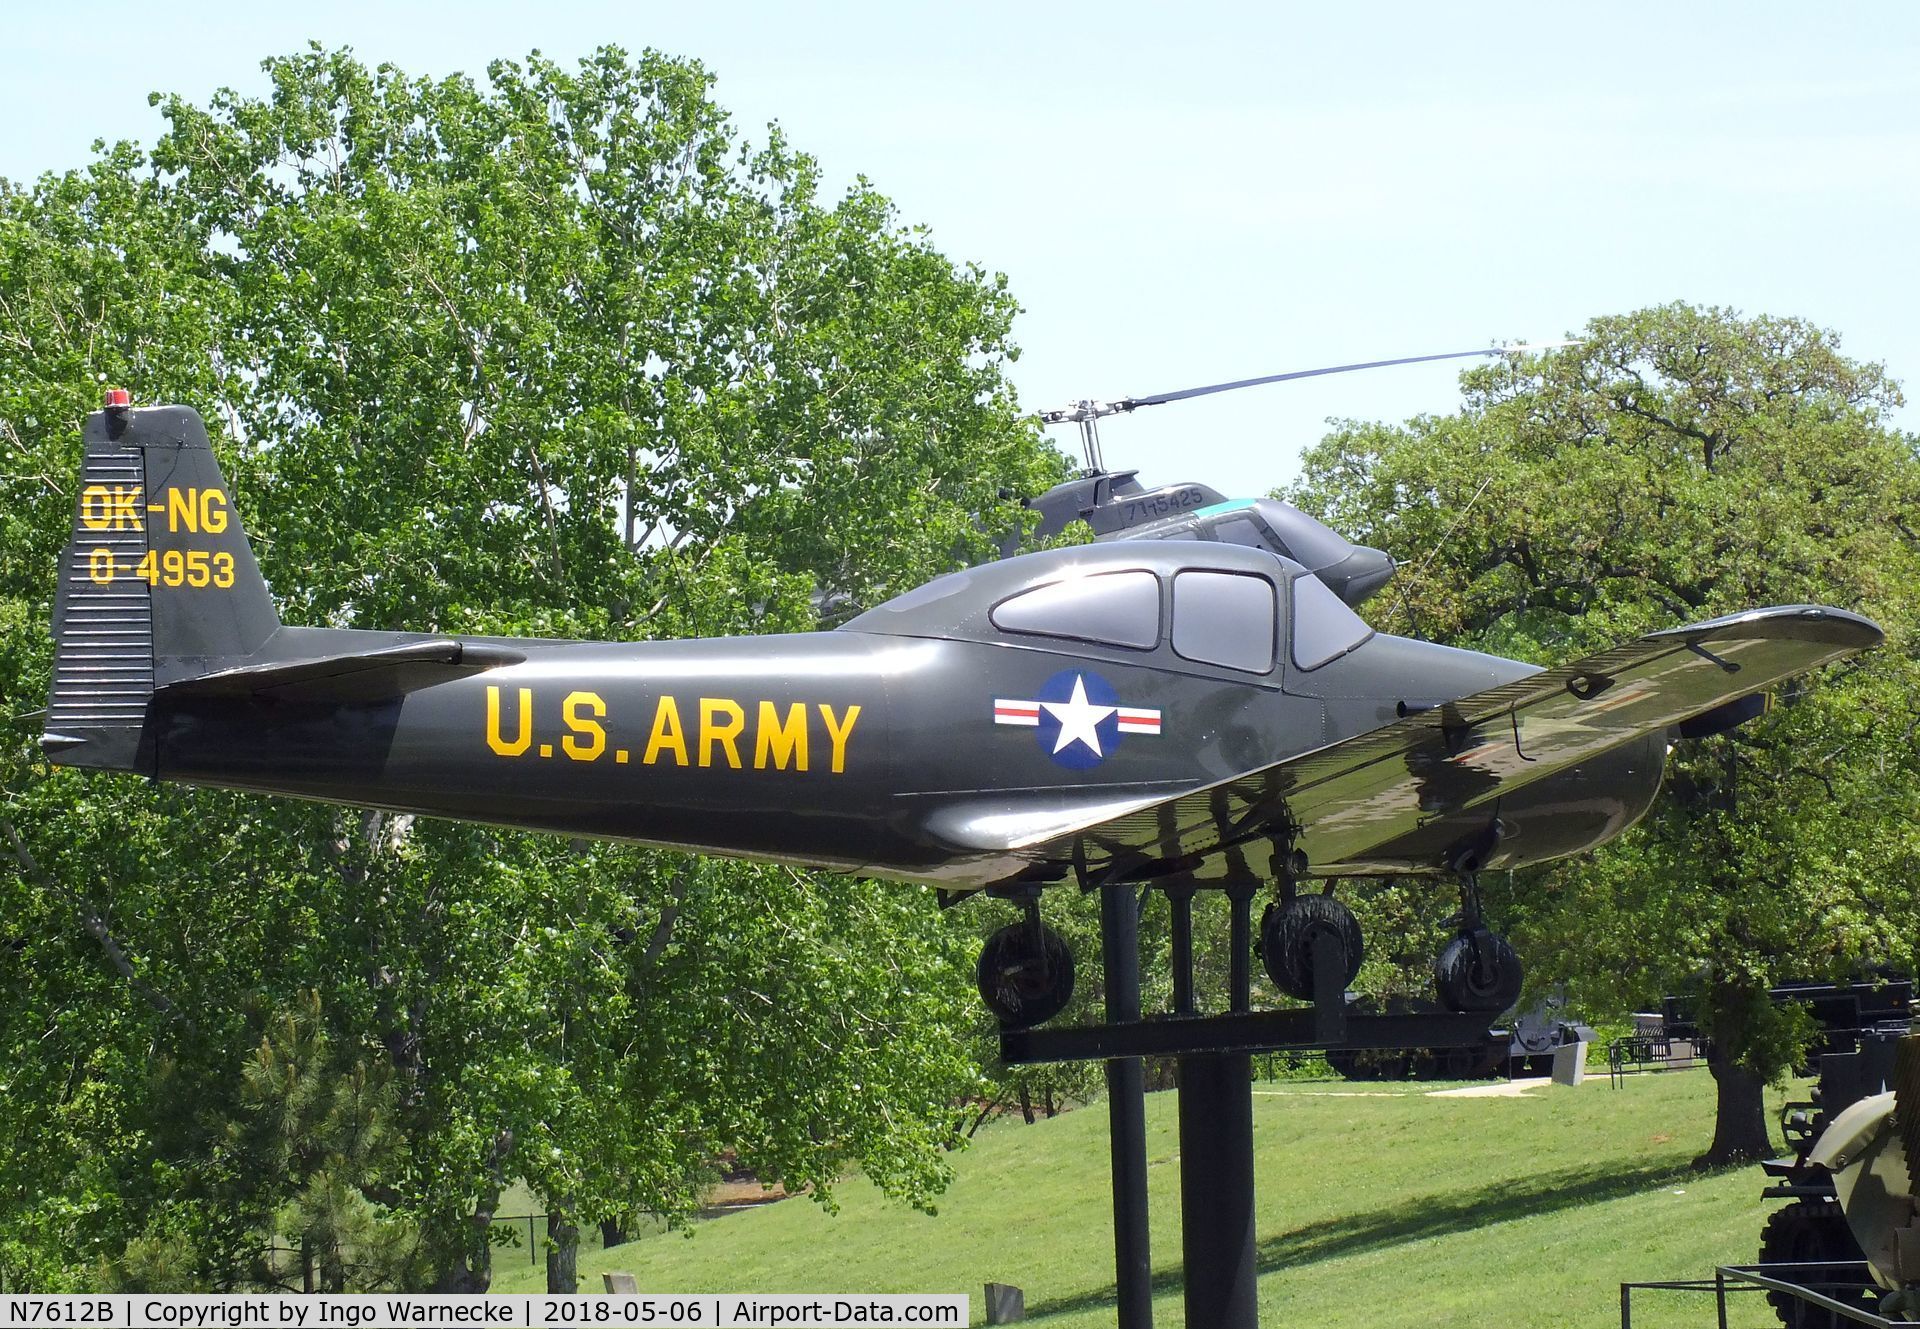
(158, 583)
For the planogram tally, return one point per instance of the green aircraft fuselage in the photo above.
(1124, 711)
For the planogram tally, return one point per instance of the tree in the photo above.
(556, 355)
(1679, 463)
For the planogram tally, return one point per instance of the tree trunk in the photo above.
(471, 1270)
(1739, 1118)
(1026, 1104)
(611, 1234)
(1740, 1111)
(563, 1249)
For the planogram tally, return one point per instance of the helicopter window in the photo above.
(1224, 618)
(1242, 531)
(1323, 627)
(1108, 608)
(1306, 540)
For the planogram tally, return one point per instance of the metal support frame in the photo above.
(1216, 1153)
(1250, 1032)
(1216, 1190)
(1180, 899)
(1126, 1111)
(1216, 1094)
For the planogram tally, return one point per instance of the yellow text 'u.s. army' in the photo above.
(713, 732)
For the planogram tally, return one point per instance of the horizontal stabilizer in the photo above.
(360, 676)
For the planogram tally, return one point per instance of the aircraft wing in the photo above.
(1369, 789)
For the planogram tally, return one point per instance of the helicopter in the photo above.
(1107, 717)
(1116, 506)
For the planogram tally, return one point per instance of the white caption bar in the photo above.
(704, 1310)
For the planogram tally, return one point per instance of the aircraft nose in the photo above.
(1359, 574)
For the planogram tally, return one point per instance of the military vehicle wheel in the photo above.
(1477, 972)
(1346, 1063)
(1025, 974)
(1811, 1232)
(1286, 941)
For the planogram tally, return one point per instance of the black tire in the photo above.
(1474, 1063)
(1811, 1232)
(1023, 986)
(1286, 941)
(1477, 972)
(1347, 1065)
(1354, 1064)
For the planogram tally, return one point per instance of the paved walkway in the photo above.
(1499, 1089)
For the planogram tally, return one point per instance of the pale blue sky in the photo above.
(1187, 193)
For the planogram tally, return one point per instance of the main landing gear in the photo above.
(1287, 934)
(1025, 973)
(1476, 972)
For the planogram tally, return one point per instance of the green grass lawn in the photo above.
(1388, 1208)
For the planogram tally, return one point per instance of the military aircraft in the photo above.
(1110, 716)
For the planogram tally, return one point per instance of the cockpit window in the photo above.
(1323, 627)
(1224, 618)
(1107, 608)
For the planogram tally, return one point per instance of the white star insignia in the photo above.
(1079, 718)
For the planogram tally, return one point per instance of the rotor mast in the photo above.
(1087, 413)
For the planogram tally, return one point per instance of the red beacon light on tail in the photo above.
(118, 399)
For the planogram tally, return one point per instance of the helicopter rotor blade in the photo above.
(1160, 398)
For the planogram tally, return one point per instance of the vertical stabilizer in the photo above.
(158, 583)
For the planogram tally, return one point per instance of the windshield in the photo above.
(1323, 627)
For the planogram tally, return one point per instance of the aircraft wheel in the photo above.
(1478, 971)
(1286, 941)
(1025, 974)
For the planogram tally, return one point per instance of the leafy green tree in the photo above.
(1680, 463)
(560, 354)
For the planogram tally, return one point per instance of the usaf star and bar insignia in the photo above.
(1079, 718)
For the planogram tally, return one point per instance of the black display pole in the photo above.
(1216, 1162)
(1127, 1112)
(1216, 1190)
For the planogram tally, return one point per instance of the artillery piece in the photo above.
(1851, 1228)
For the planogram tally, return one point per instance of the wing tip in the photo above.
(1809, 622)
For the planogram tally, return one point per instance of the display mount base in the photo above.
(1216, 1097)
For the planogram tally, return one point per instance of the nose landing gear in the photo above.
(1025, 973)
(1477, 970)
